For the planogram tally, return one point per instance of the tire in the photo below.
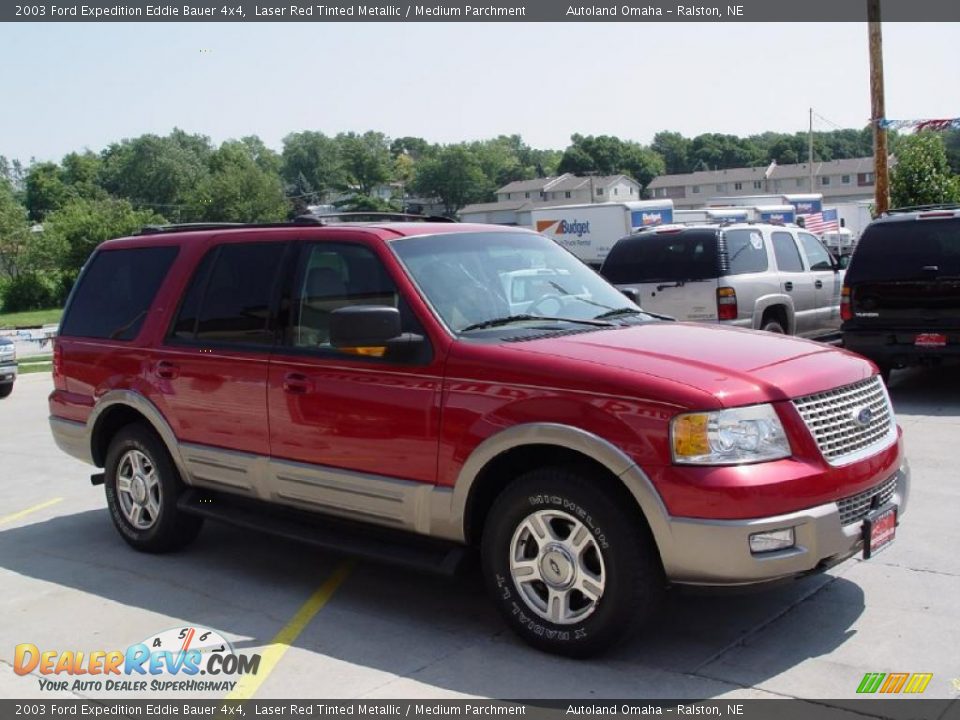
(772, 326)
(5, 390)
(617, 562)
(138, 460)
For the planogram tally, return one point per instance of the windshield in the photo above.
(663, 257)
(473, 279)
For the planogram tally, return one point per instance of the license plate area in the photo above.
(930, 340)
(879, 530)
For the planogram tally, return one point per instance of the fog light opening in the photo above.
(772, 540)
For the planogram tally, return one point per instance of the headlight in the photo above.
(729, 437)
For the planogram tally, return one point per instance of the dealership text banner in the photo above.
(479, 11)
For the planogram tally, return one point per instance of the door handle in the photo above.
(788, 286)
(167, 370)
(818, 284)
(296, 384)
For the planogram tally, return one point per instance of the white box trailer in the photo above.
(590, 231)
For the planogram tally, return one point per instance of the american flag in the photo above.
(822, 222)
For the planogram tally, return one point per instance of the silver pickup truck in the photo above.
(778, 278)
(8, 366)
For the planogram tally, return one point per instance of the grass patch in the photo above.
(30, 318)
(43, 367)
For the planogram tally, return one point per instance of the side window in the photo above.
(229, 297)
(332, 276)
(746, 252)
(788, 256)
(116, 291)
(817, 255)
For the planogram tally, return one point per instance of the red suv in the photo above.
(409, 390)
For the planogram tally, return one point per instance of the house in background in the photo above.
(838, 181)
(567, 189)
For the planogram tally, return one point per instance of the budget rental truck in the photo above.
(590, 231)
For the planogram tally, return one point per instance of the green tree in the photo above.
(14, 233)
(45, 190)
(237, 188)
(453, 175)
(365, 160)
(674, 148)
(160, 173)
(922, 175)
(71, 233)
(311, 164)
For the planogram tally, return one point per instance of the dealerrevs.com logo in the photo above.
(894, 683)
(170, 661)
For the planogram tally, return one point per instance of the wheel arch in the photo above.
(782, 304)
(501, 458)
(119, 408)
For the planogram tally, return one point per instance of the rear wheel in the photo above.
(571, 570)
(5, 390)
(772, 325)
(143, 486)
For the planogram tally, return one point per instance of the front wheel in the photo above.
(143, 486)
(571, 569)
(5, 390)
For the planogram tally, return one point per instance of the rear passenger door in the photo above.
(212, 369)
(351, 432)
(826, 282)
(795, 281)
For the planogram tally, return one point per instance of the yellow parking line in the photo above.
(247, 687)
(23, 513)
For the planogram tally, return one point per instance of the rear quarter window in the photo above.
(115, 291)
(663, 257)
(746, 252)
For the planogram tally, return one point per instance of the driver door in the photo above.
(341, 423)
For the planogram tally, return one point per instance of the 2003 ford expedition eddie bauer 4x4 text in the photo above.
(369, 386)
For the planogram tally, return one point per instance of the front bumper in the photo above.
(8, 373)
(717, 552)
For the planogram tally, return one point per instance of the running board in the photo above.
(365, 541)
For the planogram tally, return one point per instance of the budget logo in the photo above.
(893, 683)
(564, 227)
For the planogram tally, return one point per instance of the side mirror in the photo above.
(364, 326)
(843, 262)
(632, 295)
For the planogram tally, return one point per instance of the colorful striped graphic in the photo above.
(892, 683)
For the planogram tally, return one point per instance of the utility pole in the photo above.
(877, 110)
(810, 150)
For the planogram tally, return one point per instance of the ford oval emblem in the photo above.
(863, 416)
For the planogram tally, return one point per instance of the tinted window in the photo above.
(663, 256)
(333, 276)
(900, 251)
(115, 292)
(788, 256)
(234, 295)
(746, 252)
(185, 326)
(817, 254)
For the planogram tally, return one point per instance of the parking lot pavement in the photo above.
(68, 582)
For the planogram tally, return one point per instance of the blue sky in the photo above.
(71, 86)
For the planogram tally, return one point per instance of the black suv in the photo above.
(900, 302)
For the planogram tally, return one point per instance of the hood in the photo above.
(738, 367)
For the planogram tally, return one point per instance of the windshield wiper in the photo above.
(619, 311)
(507, 320)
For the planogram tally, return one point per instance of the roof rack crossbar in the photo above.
(922, 208)
(344, 218)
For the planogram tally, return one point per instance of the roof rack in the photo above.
(922, 208)
(324, 219)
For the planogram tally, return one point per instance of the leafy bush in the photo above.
(29, 291)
